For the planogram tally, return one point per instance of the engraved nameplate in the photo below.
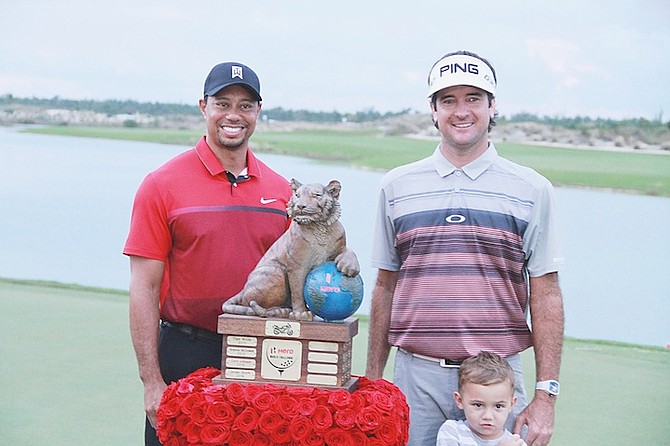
(242, 341)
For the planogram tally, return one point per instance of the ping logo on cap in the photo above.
(461, 69)
(236, 71)
(455, 67)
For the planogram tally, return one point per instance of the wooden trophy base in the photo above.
(286, 352)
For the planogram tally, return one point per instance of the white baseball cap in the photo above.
(461, 69)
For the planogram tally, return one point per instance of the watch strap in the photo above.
(552, 387)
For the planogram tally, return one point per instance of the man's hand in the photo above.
(538, 416)
(152, 399)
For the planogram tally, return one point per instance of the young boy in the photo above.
(486, 395)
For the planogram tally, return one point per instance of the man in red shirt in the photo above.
(199, 225)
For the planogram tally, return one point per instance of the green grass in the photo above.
(68, 376)
(632, 172)
(644, 172)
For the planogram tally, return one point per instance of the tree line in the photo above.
(130, 107)
(116, 107)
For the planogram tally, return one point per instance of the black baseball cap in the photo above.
(232, 73)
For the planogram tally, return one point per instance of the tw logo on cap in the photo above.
(236, 71)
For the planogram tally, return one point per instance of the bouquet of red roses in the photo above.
(194, 411)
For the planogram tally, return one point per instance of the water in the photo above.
(66, 205)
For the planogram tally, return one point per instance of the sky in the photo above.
(599, 58)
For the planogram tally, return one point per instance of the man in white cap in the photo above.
(466, 243)
(200, 224)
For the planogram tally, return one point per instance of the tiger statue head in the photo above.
(314, 203)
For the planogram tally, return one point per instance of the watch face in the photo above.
(551, 387)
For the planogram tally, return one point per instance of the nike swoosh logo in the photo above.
(267, 200)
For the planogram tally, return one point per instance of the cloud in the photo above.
(562, 57)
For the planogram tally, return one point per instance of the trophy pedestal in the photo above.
(286, 352)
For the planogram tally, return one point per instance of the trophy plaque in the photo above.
(286, 352)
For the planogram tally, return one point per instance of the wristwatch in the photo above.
(551, 387)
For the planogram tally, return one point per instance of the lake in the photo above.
(66, 205)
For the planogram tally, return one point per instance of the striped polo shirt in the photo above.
(464, 242)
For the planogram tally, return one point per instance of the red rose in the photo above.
(264, 401)
(321, 397)
(239, 438)
(368, 419)
(339, 398)
(382, 401)
(188, 402)
(251, 391)
(192, 432)
(345, 418)
(357, 401)
(377, 442)
(172, 441)
(338, 437)
(166, 429)
(381, 385)
(183, 386)
(214, 393)
(281, 434)
(274, 389)
(387, 431)
(286, 405)
(261, 439)
(298, 392)
(360, 439)
(235, 394)
(306, 406)
(199, 413)
(322, 418)
(215, 434)
(181, 424)
(220, 412)
(170, 392)
(247, 420)
(269, 422)
(169, 408)
(363, 382)
(313, 439)
(300, 428)
(206, 373)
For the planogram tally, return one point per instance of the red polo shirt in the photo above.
(209, 232)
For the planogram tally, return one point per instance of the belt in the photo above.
(193, 332)
(444, 362)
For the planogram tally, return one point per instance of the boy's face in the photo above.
(486, 407)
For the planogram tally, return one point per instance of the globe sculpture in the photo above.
(330, 294)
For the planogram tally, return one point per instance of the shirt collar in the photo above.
(213, 165)
(473, 169)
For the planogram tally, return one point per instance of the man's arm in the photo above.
(546, 314)
(380, 321)
(146, 276)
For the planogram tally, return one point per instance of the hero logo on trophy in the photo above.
(269, 329)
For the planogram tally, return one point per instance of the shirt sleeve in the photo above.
(384, 252)
(149, 234)
(541, 241)
(448, 434)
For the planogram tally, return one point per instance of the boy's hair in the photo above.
(485, 369)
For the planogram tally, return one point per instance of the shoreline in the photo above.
(55, 285)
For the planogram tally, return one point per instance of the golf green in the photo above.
(68, 376)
